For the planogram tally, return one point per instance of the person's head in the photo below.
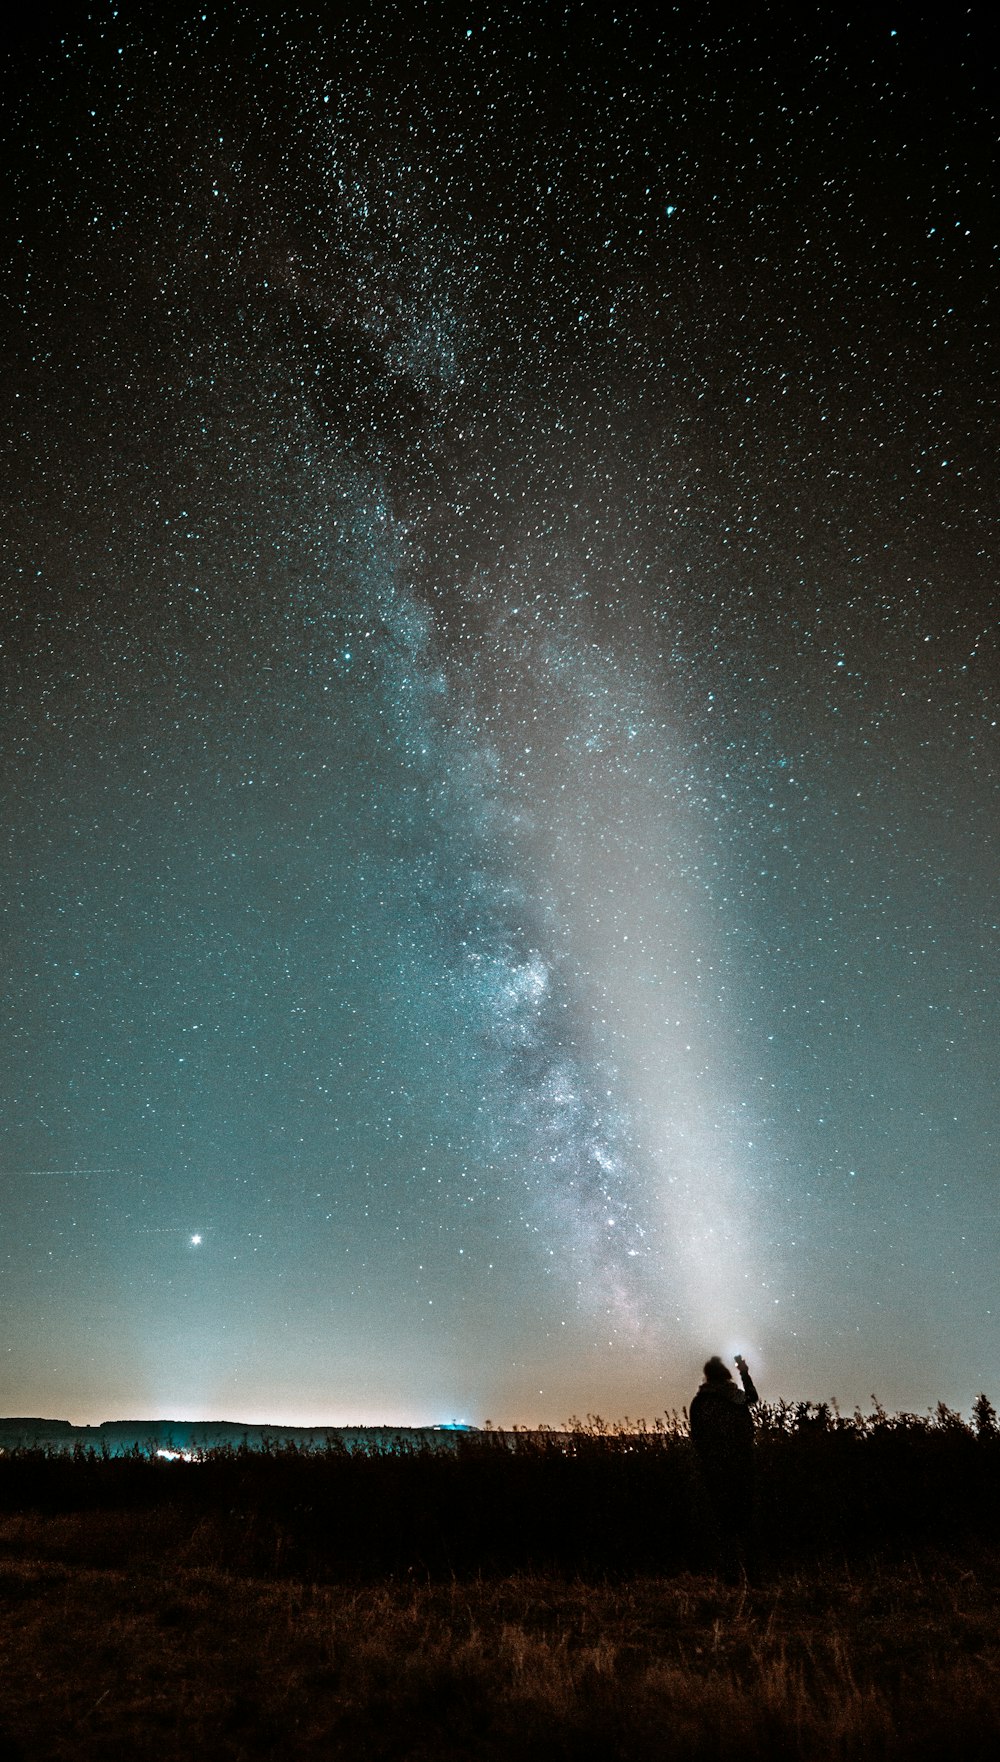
(717, 1372)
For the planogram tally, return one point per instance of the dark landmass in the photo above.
(364, 1503)
(119, 1437)
(439, 1596)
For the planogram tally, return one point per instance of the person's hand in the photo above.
(741, 1361)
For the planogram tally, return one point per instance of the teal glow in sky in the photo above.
(499, 749)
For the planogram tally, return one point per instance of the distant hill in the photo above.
(117, 1437)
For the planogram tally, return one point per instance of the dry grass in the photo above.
(535, 1596)
(170, 1658)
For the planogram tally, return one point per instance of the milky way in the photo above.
(500, 743)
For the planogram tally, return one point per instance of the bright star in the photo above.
(196, 1241)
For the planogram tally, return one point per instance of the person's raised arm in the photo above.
(747, 1380)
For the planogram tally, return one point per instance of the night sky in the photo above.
(499, 723)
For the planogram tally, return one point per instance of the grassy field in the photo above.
(544, 1595)
(173, 1659)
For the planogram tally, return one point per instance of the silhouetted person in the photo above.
(722, 1433)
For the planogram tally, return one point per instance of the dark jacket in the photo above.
(721, 1427)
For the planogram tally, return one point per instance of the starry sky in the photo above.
(499, 723)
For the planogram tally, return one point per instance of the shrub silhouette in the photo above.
(591, 1499)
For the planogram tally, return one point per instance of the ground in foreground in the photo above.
(168, 1659)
